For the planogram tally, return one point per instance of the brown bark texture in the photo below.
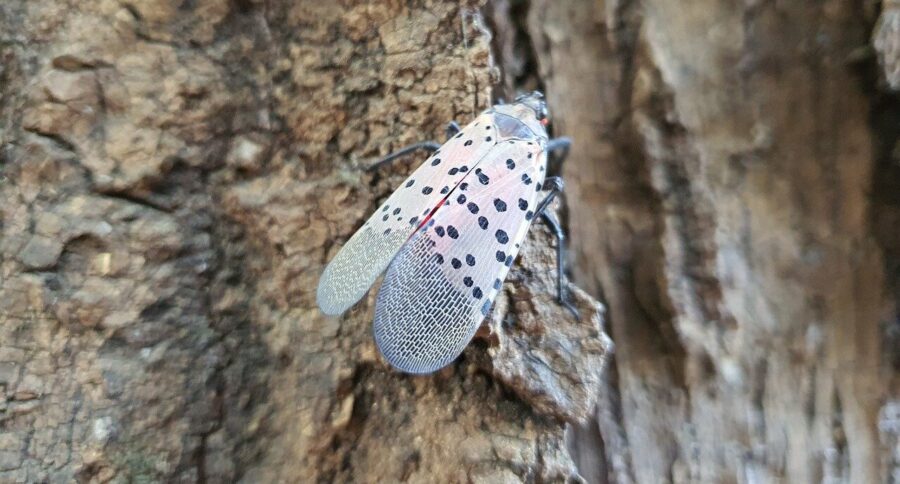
(174, 175)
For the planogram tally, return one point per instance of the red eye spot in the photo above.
(545, 122)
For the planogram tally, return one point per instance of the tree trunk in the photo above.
(728, 198)
(174, 175)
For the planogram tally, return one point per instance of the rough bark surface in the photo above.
(174, 177)
(733, 199)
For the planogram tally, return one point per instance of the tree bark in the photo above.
(728, 190)
(175, 175)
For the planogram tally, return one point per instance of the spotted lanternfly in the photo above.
(448, 235)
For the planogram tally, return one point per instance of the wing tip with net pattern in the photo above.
(412, 367)
(351, 273)
(411, 327)
(330, 297)
(325, 299)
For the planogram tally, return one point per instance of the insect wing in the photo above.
(364, 257)
(442, 283)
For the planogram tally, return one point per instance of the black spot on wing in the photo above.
(486, 308)
(483, 223)
(500, 205)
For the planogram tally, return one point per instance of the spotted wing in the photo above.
(364, 257)
(442, 283)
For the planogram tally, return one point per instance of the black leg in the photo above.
(429, 146)
(452, 129)
(555, 185)
(560, 257)
(559, 147)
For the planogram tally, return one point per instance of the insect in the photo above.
(449, 234)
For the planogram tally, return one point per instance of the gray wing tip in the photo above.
(326, 300)
(416, 367)
(331, 310)
(412, 365)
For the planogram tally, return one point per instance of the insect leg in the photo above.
(555, 185)
(551, 221)
(452, 129)
(430, 146)
(560, 146)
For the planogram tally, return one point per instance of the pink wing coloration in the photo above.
(369, 251)
(443, 281)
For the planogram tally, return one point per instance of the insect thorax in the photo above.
(509, 127)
